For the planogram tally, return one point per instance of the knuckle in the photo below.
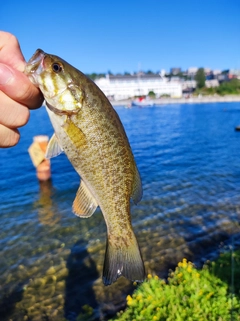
(24, 93)
(14, 115)
(22, 118)
(8, 37)
(8, 137)
(29, 95)
(13, 39)
(14, 139)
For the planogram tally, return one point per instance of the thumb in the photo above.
(10, 51)
(18, 87)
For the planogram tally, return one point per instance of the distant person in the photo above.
(17, 93)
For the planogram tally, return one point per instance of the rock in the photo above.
(62, 274)
(38, 282)
(51, 270)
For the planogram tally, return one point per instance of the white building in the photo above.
(189, 84)
(124, 87)
(192, 71)
(193, 84)
(235, 72)
(216, 72)
(207, 71)
(211, 83)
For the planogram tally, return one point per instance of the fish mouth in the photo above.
(35, 65)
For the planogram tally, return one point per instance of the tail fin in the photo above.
(123, 257)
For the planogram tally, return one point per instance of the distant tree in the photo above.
(200, 78)
(231, 87)
(149, 72)
(180, 75)
(152, 94)
(93, 75)
(165, 96)
(225, 72)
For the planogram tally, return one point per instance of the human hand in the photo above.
(17, 93)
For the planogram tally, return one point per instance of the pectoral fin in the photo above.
(75, 134)
(137, 187)
(84, 204)
(53, 148)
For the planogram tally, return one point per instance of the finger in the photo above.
(17, 86)
(8, 137)
(12, 113)
(10, 52)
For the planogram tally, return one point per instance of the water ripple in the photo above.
(188, 157)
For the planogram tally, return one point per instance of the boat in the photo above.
(142, 102)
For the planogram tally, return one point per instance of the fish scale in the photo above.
(89, 131)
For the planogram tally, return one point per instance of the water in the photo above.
(51, 261)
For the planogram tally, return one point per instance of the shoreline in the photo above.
(192, 100)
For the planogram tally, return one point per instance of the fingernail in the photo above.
(6, 74)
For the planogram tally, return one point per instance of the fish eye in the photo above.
(56, 67)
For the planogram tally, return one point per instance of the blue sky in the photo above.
(98, 36)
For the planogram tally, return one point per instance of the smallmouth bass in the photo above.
(89, 131)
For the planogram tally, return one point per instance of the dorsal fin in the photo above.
(137, 187)
(84, 204)
(53, 148)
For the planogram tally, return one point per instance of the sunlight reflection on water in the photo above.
(188, 157)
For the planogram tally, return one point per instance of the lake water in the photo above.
(51, 261)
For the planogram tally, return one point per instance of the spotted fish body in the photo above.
(89, 131)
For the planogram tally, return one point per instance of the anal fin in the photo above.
(84, 204)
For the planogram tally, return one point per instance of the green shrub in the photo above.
(227, 268)
(189, 295)
(231, 87)
(152, 94)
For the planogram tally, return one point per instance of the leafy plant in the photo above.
(227, 268)
(190, 294)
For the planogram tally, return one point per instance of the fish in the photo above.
(89, 131)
